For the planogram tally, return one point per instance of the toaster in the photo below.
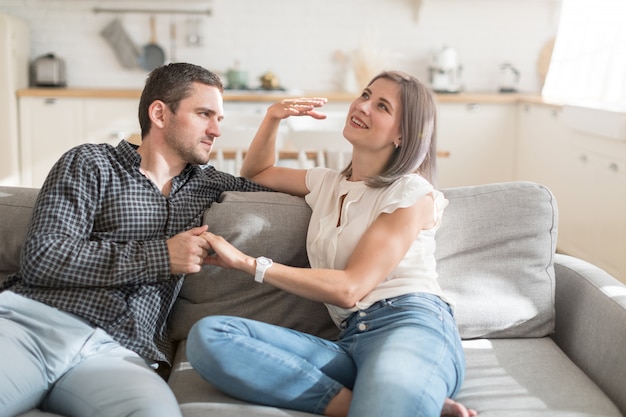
(48, 71)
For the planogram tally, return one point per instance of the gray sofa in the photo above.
(543, 332)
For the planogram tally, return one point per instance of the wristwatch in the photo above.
(262, 265)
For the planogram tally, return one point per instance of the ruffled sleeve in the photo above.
(407, 190)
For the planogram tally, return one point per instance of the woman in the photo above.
(371, 247)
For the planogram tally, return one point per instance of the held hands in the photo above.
(297, 107)
(226, 255)
(188, 250)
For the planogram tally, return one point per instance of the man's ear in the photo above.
(157, 111)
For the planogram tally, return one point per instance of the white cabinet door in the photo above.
(48, 128)
(587, 175)
(591, 210)
(609, 218)
(577, 200)
(480, 140)
(51, 126)
(540, 144)
(109, 120)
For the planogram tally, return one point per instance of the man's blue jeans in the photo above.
(57, 362)
(400, 357)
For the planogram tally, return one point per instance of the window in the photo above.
(588, 63)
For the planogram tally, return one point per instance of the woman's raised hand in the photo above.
(297, 107)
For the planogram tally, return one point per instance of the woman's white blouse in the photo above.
(330, 246)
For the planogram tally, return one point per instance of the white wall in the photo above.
(298, 40)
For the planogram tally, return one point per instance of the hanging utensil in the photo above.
(125, 49)
(153, 55)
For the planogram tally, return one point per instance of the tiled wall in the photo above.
(300, 41)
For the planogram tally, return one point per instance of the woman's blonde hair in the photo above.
(417, 152)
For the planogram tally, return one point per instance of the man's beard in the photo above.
(191, 155)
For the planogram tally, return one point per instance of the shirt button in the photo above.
(362, 326)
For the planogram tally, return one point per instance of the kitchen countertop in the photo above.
(271, 96)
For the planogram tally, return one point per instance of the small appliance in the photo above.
(509, 78)
(445, 71)
(48, 71)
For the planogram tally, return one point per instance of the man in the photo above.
(114, 231)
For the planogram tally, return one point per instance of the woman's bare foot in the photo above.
(339, 405)
(452, 408)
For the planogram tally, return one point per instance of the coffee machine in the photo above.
(445, 71)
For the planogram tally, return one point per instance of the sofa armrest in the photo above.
(591, 323)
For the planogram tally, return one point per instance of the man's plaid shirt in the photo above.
(97, 243)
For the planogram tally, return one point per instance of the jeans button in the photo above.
(362, 314)
(362, 326)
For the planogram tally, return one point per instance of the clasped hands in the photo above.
(189, 251)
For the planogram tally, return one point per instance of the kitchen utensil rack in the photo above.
(208, 12)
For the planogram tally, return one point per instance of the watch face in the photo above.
(263, 261)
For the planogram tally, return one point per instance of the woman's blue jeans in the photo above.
(400, 357)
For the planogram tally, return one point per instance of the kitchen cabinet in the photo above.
(610, 175)
(49, 126)
(587, 174)
(479, 140)
(540, 144)
(592, 203)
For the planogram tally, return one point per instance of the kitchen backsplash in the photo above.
(307, 45)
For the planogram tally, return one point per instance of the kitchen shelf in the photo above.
(252, 96)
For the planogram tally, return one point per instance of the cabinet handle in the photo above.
(473, 107)
(50, 100)
(613, 167)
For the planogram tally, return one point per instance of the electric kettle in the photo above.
(509, 78)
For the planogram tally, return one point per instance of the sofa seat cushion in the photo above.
(504, 378)
(495, 258)
(199, 398)
(528, 378)
(236, 410)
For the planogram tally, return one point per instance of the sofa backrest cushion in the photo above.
(495, 252)
(259, 224)
(495, 258)
(16, 206)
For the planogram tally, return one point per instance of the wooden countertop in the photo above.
(262, 96)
